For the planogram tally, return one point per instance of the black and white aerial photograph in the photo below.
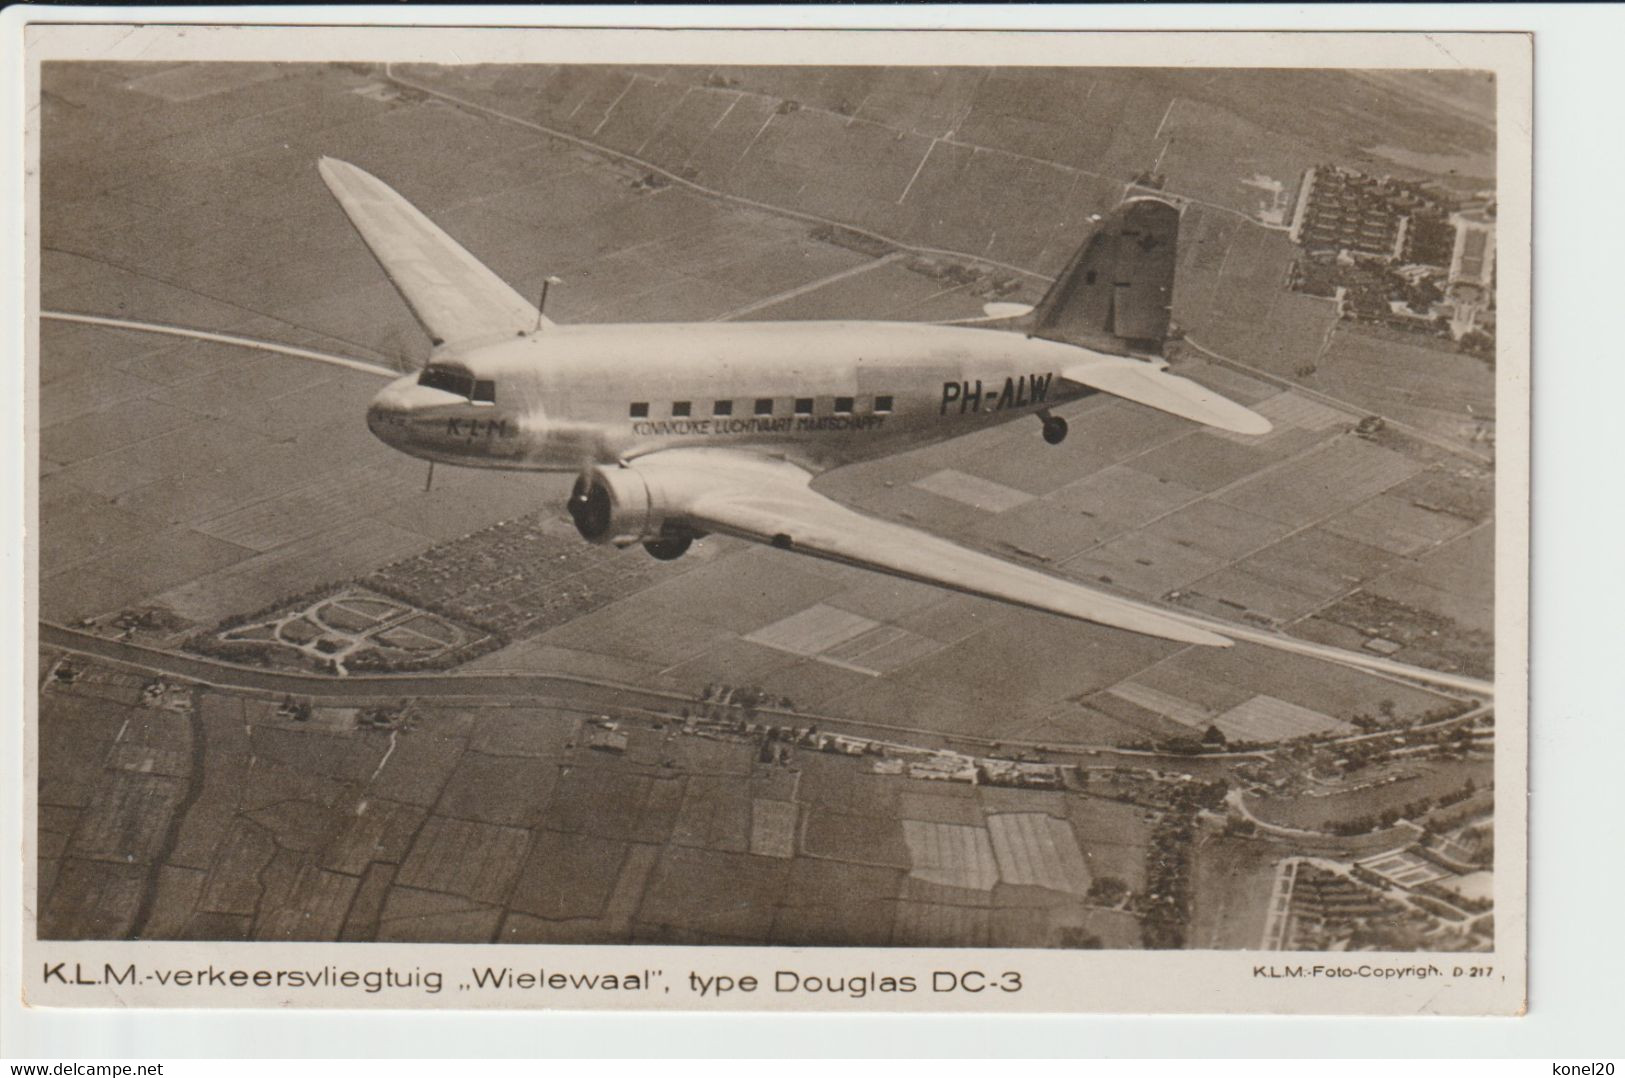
(768, 504)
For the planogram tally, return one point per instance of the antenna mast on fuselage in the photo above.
(541, 304)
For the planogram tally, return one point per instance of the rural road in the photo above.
(563, 691)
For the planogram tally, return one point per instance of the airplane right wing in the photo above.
(455, 297)
(771, 501)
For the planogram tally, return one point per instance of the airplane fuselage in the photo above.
(676, 432)
(817, 393)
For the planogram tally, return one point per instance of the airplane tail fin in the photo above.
(1116, 292)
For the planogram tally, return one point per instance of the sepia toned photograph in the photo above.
(771, 504)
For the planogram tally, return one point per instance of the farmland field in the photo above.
(186, 483)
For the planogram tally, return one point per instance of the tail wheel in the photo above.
(669, 548)
(1054, 429)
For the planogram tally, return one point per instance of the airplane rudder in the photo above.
(1148, 263)
(1116, 292)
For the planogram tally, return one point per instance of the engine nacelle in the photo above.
(614, 505)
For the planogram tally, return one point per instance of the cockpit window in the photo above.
(485, 391)
(450, 379)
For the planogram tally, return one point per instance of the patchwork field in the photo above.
(212, 815)
(185, 482)
(212, 481)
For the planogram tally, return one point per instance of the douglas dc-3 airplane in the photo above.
(680, 430)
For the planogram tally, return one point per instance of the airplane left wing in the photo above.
(454, 296)
(771, 501)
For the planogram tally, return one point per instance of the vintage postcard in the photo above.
(528, 518)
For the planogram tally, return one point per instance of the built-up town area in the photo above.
(1400, 253)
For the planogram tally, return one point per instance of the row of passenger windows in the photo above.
(766, 406)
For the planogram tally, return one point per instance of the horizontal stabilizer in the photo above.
(1147, 384)
(1007, 310)
(994, 312)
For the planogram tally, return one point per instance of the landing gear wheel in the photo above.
(669, 549)
(1054, 429)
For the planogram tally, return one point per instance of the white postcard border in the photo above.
(1210, 982)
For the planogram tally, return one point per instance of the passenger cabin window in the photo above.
(640, 409)
(883, 404)
(804, 405)
(485, 391)
(723, 408)
(843, 405)
(682, 408)
(764, 406)
(449, 379)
